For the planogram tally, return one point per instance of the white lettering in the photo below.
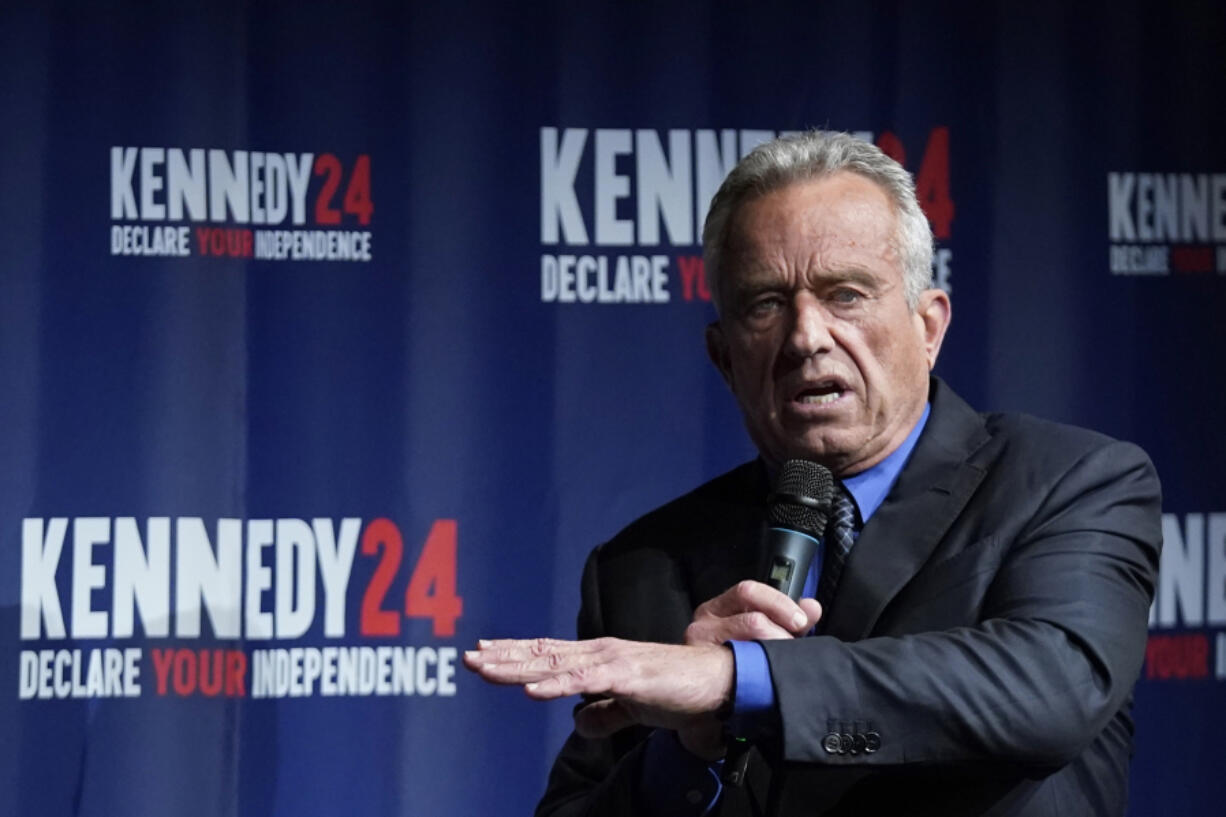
(27, 679)
(142, 579)
(335, 564)
(327, 680)
(299, 176)
(383, 675)
(1166, 207)
(295, 547)
(201, 576)
(123, 197)
(402, 671)
(549, 278)
(664, 191)
(259, 578)
(276, 184)
(228, 186)
(583, 269)
(41, 547)
(1166, 211)
(559, 167)
(671, 187)
(151, 183)
(1119, 199)
(1181, 576)
(566, 279)
(131, 672)
(97, 673)
(367, 670)
(87, 576)
(1194, 215)
(185, 185)
(941, 271)
(1138, 259)
(424, 683)
(296, 689)
(713, 162)
(263, 668)
(1218, 196)
(446, 671)
(312, 664)
(257, 187)
(1145, 207)
(659, 279)
(1215, 599)
(610, 187)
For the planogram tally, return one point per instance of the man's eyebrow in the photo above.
(749, 284)
(853, 276)
(744, 289)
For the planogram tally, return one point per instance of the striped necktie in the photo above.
(839, 537)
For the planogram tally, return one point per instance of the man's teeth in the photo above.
(820, 399)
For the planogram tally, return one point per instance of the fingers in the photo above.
(506, 650)
(658, 684)
(813, 612)
(548, 668)
(740, 627)
(755, 597)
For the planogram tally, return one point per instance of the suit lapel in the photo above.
(931, 491)
(727, 550)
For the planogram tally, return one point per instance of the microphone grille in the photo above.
(801, 500)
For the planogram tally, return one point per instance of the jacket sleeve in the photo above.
(1056, 648)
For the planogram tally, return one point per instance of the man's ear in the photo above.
(717, 350)
(934, 313)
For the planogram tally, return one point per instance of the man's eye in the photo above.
(764, 307)
(845, 296)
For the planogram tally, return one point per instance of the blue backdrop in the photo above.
(436, 264)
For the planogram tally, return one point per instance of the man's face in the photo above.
(816, 340)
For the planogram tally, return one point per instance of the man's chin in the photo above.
(825, 452)
(834, 448)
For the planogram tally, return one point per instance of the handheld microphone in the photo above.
(796, 512)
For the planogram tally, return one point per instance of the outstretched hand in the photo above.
(671, 686)
(664, 685)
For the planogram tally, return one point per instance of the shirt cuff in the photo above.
(754, 692)
(673, 781)
(753, 702)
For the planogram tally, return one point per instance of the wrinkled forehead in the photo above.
(838, 221)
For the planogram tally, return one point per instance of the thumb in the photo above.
(602, 718)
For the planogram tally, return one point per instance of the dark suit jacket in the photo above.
(989, 627)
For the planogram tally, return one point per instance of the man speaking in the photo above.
(973, 627)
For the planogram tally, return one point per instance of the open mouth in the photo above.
(820, 394)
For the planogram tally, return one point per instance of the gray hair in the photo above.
(802, 156)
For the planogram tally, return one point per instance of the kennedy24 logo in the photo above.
(932, 179)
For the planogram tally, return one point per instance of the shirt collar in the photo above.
(869, 488)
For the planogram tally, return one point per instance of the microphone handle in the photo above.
(786, 556)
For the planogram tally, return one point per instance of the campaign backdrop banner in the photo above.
(335, 336)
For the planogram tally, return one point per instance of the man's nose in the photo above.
(810, 330)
